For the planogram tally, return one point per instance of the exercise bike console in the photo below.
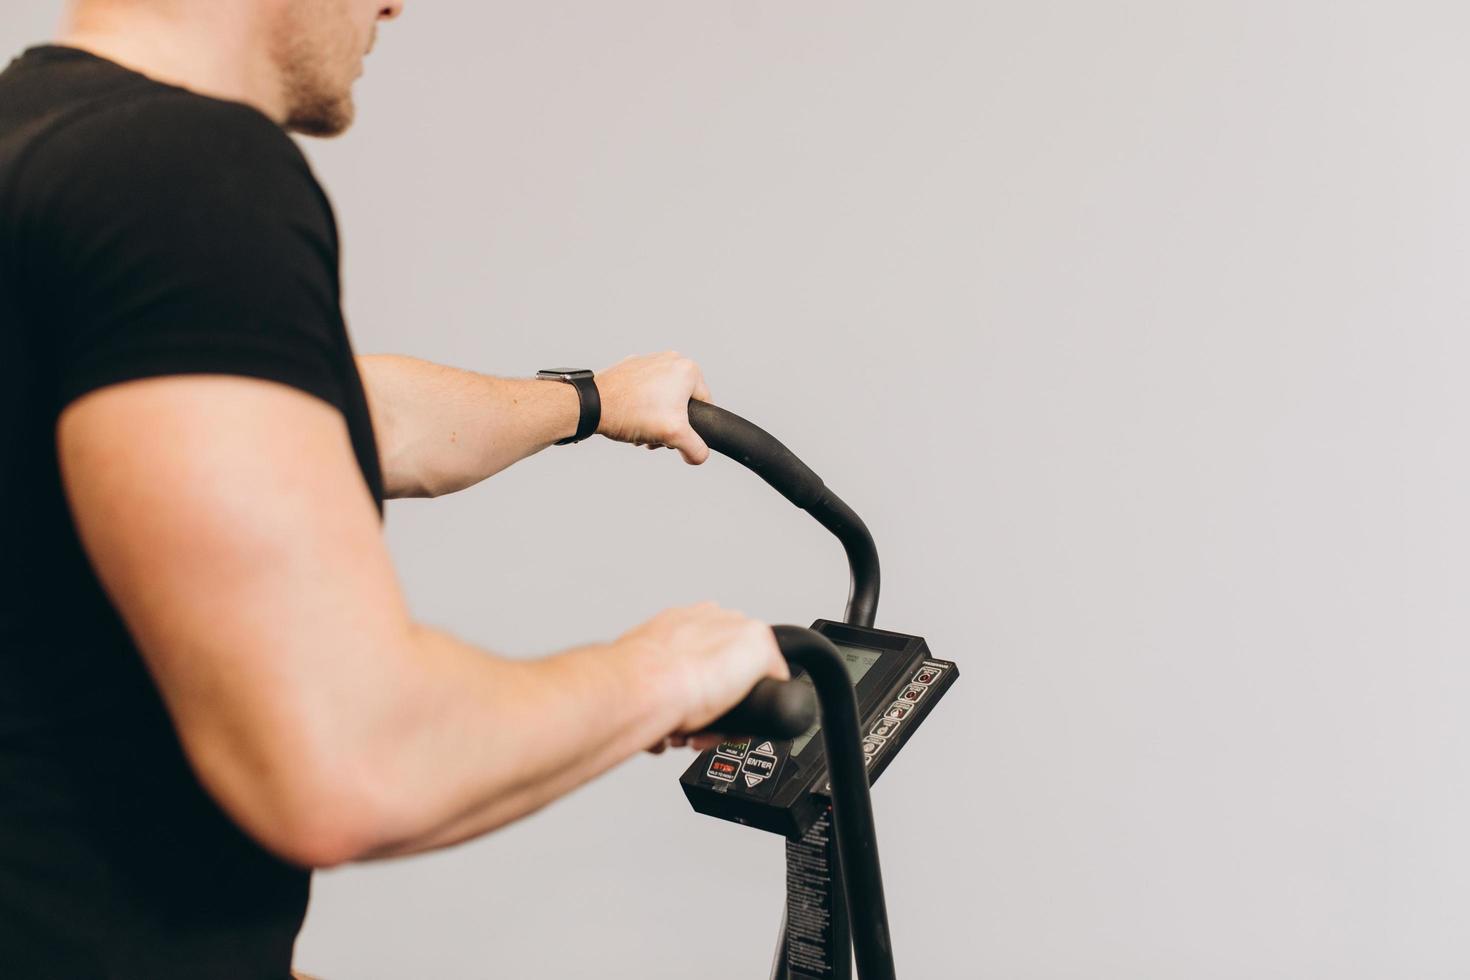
(781, 785)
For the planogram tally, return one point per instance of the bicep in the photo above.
(229, 524)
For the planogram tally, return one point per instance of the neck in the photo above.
(215, 49)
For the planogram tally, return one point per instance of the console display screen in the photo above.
(859, 661)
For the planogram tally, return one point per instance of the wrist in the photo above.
(563, 409)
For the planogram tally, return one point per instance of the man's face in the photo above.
(318, 47)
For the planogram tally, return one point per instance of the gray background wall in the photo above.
(1136, 330)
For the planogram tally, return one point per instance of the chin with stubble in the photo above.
(318, 51)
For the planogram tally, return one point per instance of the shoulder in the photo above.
(166, 149)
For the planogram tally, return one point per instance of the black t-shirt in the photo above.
(144, 230)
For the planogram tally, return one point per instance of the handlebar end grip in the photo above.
(772, 709)
(758, 450)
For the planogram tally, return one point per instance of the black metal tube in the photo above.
(772, 709)
(862, 556)
(758, 450)
(852, 806)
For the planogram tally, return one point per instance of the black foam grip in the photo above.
(754, 447)
(772, 709)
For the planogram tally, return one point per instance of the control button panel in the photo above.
(888, 726)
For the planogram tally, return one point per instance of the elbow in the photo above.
(405, 479)
(346, 825)
(321, 840)
(303, 815)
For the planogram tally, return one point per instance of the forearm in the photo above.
(441, 429)
(474, 742)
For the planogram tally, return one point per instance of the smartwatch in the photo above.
(581, 379)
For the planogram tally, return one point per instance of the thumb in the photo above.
(691, 447)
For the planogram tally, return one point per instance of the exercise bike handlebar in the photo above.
(784, 709)
(852, 806)
(758, 450)
(776, 709)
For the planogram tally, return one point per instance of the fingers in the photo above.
(700, 743)
(697, 452)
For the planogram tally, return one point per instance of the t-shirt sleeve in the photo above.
(180, 235)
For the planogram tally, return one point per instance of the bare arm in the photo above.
(442, 429)
(230, 526)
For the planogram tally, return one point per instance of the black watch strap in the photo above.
(582, 380)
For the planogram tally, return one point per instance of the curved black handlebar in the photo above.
(757, 450)
(772, 709)
(852, 806)
(784, 709)
(749, 444)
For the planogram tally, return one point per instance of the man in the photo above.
(209, 682)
